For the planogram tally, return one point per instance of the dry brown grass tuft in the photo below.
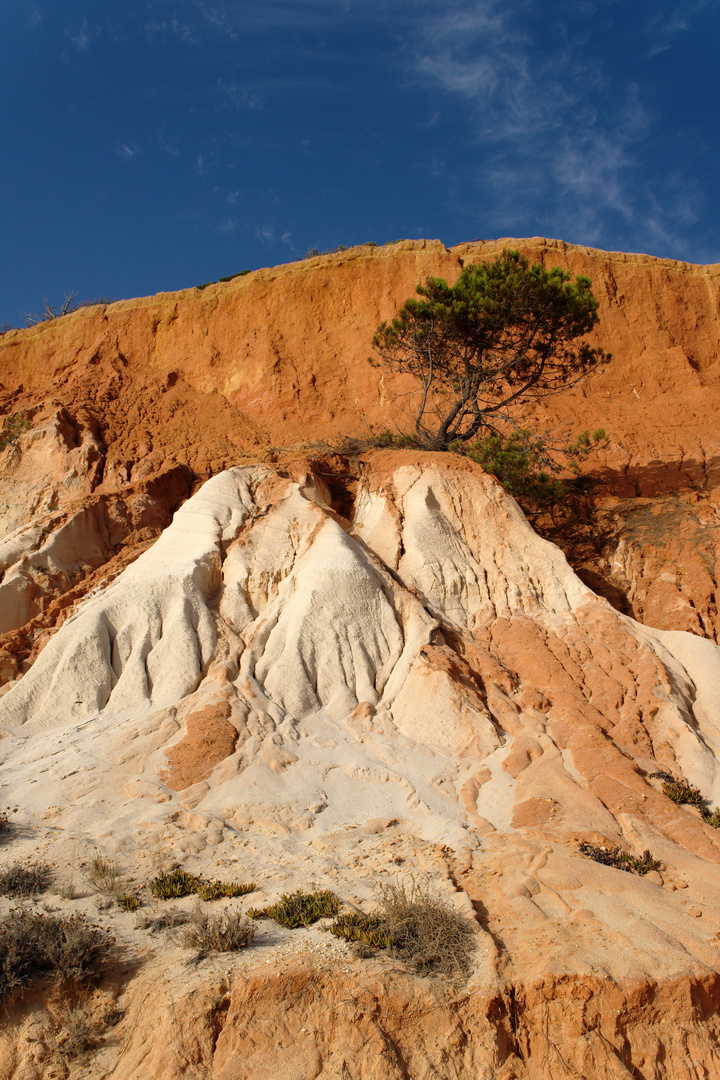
(207, 933)
(35, 946)
(18, 880)
(104, 875)
(169, 920)
(425, 930)
(73, 1034)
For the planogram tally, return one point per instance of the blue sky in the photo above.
(152, 145)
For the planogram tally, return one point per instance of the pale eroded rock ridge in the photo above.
(433, 660)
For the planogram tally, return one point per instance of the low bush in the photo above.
(216, 890)
(679, 791)
(645, 864)
(104, 875)
(12, 428)
(206, 933)
(19, 880)
(313, 252)
(74, 1033)
(299, 909)
(230, 277)
(179, 883)
(682, 793)
(425, 930)
(415, 926)
(173, 885)
(619, 859)
(127, 902)
(712, 817)
(520, 462)
(169, 920)
(36, 946)
(361, 930)
(523, 463)
(100, 301)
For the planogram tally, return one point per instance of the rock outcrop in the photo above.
(329, 671)
(208, 378)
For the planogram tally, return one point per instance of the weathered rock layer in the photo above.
(206, 377)
(328, 672)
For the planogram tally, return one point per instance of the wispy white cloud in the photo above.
(128, 151)
(169, 145)
(667, 24)
(269, 235)
(181, 30)
(480, 53)
(219, 17)
(239, 96)
(663, 29)
(558, 143)
(82, 36)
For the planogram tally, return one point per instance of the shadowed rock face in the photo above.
(324, 673)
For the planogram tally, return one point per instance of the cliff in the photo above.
(213, 376)
(305, 669)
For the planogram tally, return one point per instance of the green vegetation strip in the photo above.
(682, 793)
(299, 909)
(620, 860)
(413, 925)
(171, 886)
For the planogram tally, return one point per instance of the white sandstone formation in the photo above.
(399, 668)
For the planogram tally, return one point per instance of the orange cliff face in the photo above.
(287, 350)
(320, 670)
(123, 394)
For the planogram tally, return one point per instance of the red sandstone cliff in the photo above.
(194, 704)
(206, 378)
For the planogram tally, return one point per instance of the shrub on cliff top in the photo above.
(47, 313)
(207, 933)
